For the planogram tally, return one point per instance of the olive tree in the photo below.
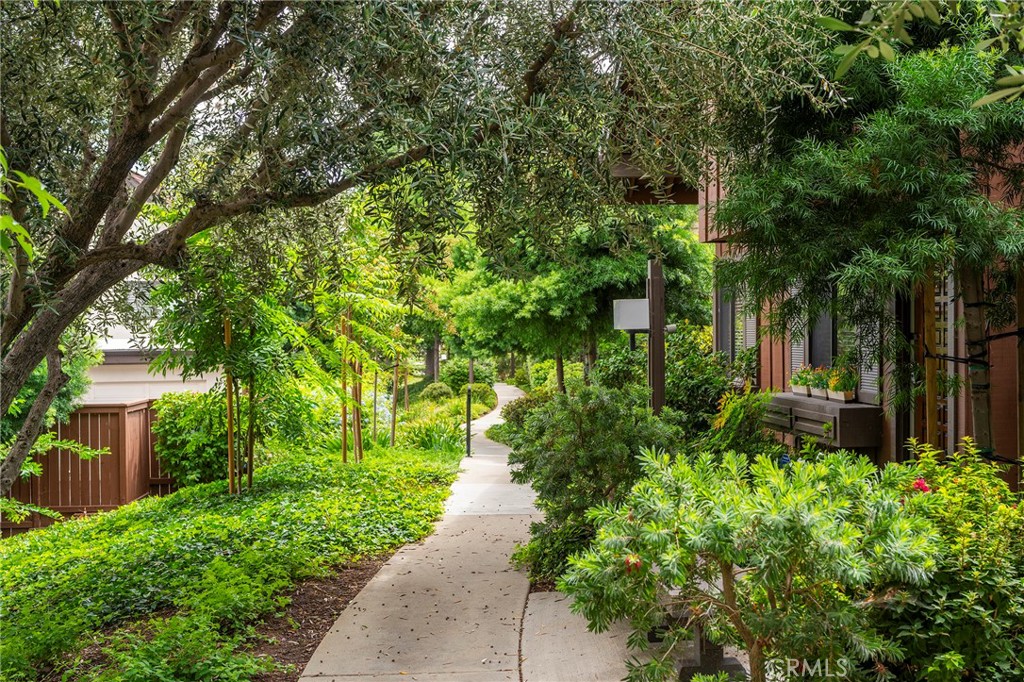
(219, 111)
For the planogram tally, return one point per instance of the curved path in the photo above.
(452, 608)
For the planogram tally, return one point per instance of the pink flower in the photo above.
(921, 485)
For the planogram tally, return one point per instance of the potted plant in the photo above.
(819, 382)
(842, 384)
(799, 382)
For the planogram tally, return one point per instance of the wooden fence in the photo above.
(73, 486)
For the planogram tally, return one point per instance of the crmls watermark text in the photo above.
(781, 669)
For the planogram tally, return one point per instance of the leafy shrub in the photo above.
(515, 412)
(299, 412)
(696, 378)
(191, 436)
(482, 393)
(573, 377)
(766, 557)
(437, 392)
(967, 622)
(521, 378)
(539, 372)
(739, 425)
(441, 435)
(455, 373)
(619, 367)
(579, 450)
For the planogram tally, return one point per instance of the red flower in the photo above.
(633, 563)
(921, 485)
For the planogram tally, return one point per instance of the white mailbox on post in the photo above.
(631, 314)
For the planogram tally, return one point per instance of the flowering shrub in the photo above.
(967, 622)
(780, 561)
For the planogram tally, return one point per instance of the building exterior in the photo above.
(871, 424)
(124, 374)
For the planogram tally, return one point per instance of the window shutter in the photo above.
(870, 371)
(749, 331)
(797, 353)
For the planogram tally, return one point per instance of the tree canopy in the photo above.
(216, 112)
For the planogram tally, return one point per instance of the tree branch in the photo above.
(120, 225)
(126, 49)
(56, 378)
(563, 29)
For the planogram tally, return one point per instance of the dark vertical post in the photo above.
(632, 340)
(469, 412)
(656, 340)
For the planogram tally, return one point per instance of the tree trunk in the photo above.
(238, 434)
(56, 378)
(437, 358)
(394, 404)
(972, 290)
(758, 668)
(512, 365)
(357, 414)
(228, 387)
(429, 360)
(560, 372)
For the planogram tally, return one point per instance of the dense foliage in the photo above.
(967, 621)
(190, 433)
(776, 560)
(579, 450)
(217, 561)
(208, 113)
(455, 373)
(906, 187)
(436, 392)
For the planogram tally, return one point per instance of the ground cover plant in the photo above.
(180, 578)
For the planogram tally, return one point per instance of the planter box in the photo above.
(799, 390)
(850, 425)
(842, 396)
(820, 393)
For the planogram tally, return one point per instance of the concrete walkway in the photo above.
(452, 608)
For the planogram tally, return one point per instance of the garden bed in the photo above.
(170, 588)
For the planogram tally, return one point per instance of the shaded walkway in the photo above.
(451, 607)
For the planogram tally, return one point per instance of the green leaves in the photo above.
(834, 24)
(799, 545)
(218, 562)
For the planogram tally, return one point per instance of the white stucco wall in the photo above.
(128, 383)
